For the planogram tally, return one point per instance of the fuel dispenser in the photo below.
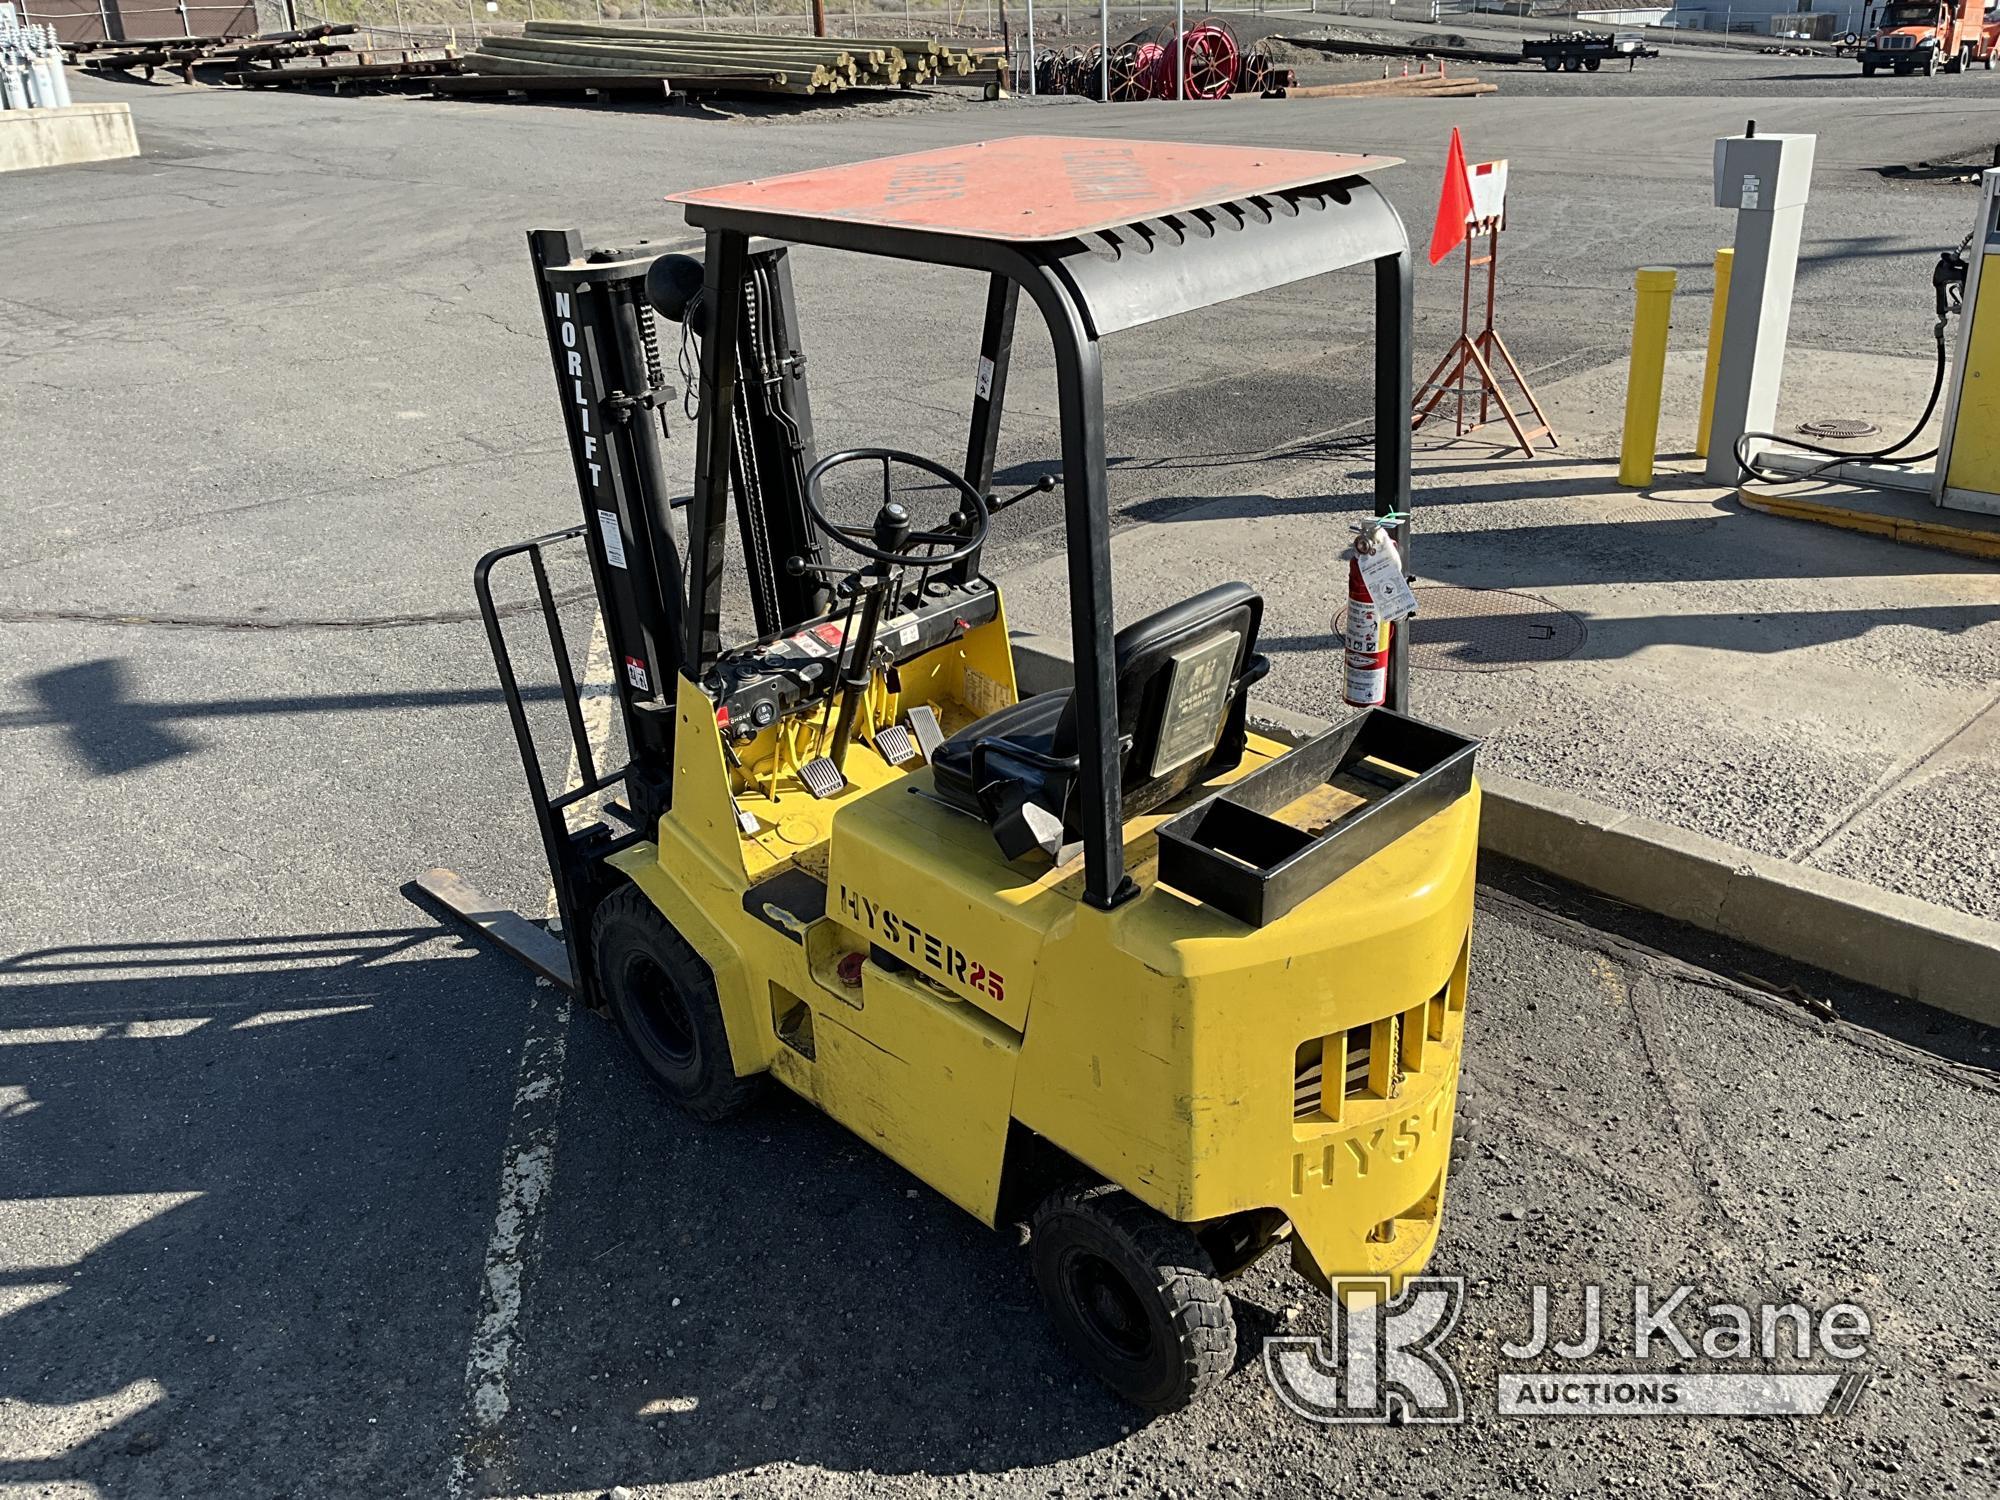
(1766, 179)
(1968, 469)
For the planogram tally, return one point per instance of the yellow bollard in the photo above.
(1646, 376)
(1725, 261)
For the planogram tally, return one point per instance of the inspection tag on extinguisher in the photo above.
(1382, 572)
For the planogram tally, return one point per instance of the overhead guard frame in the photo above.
(1086, 287)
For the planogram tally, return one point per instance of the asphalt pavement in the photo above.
(272, 387)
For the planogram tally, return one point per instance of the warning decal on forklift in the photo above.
(983, 695)
(821, 641)
(985, 382)
(635, 672)
(614, 540)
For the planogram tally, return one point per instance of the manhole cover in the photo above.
(1839, 427)
(1489, 630)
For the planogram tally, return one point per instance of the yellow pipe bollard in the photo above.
(1646, 376)
(1725, 262)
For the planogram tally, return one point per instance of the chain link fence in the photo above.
(947, 18)
(472, 18)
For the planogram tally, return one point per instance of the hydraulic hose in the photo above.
(1838, 456)
(1948, 283)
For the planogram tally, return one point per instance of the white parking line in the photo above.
(527, 1173)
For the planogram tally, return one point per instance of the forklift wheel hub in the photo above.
(1111, 1311)
(661, 1009)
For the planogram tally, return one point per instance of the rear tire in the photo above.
(1550, 64)
(1134, 1296)
(664, 998)
(1868, 70)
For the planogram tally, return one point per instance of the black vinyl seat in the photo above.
(1183, 678)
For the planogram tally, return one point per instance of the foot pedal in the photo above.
(896, 745)
(924, 724)
(822, 777)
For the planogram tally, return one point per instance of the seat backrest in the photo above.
(1184, 675)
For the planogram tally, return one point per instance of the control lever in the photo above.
(1041, 486)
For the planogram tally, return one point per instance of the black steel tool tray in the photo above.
(1229, 852)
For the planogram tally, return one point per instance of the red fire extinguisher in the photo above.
(1366, 631)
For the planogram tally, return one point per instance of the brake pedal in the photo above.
(896, 745)
(822, 777)
(924, 724)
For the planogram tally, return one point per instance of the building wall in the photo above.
(135, 20)
(1764, 16)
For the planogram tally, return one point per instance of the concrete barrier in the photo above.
(62, 137)
(1907, 947)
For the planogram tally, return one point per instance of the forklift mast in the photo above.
(602, 322)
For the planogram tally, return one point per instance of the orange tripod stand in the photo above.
(1467, 371)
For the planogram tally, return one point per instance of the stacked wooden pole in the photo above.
(717, 61)
(1415, 86)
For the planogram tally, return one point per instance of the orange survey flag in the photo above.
(1454, 202)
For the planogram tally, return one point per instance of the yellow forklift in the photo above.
(1105, 959)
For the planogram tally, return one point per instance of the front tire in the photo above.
(664, 998)
(1134, 1296)
(1868, 70)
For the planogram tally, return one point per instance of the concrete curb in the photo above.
(1911, 948)
(32, 138)
(1963, 540)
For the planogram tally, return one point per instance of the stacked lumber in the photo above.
(1414, 86)
(693, 61)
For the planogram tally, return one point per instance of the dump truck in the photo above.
(1921, 36)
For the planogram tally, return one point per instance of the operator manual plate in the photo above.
(1031, 187)
(1191, 718)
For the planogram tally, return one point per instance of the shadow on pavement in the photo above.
(248, 1186)
(1470, 641)
(110, 731)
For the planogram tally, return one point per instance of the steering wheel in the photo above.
(890, 539)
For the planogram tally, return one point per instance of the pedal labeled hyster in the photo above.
(897, 745)
(822, 777)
